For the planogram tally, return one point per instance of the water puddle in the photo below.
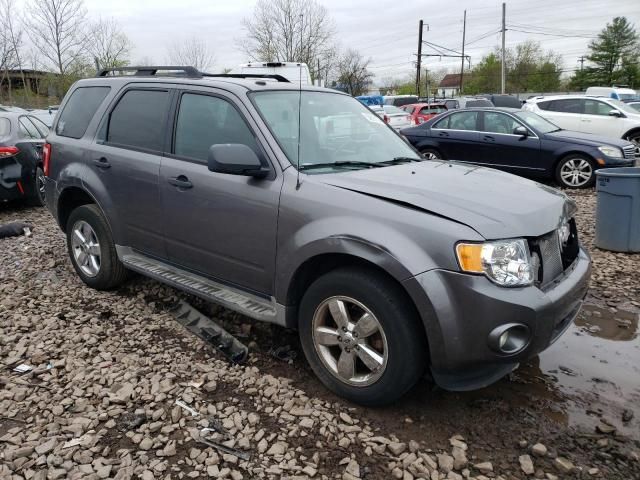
(595, 369)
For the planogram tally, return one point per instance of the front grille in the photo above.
(555, 257)
(629, 152)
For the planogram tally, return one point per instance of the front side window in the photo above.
(594, 107)
(204, 121)
(334, 128)
(536, 121)
(79, 110)
(138, 119)
(499, 123)
(459, 121)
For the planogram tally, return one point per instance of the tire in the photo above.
(36, 195)
(634, 137)
(91, 224)
(571, 170)
(400, 336)
(432, 154)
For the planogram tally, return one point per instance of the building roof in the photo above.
(450, 80)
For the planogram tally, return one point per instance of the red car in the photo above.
(421, 112)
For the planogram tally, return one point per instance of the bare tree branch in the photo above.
(108, 44)
(56, 28)
(193, 52)
(352, 72)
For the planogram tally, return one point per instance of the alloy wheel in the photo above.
(431, 156)
(350, 341)
(635, 139)
(86, 248)
(576, 172)
(40, 185)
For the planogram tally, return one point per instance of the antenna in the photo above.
(299, 99)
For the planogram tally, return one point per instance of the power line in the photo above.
(548, 34)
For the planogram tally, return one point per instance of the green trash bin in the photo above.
(618, 210)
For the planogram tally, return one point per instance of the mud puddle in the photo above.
(595, 368)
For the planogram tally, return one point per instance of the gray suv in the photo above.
(302, 208)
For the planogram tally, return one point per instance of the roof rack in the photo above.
(151, 70)
(279, 78)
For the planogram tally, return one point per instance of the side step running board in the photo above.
(229, 297)
(210, 331)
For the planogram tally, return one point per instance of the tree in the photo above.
(616, 45)
(109, 46)
(485, 76)
(352, 71)
(290, 31)
(193, 52)
(56, 28)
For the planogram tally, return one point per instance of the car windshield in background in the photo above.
(627, 96)
(334, 129)
(478, 103)
(622, 106)
(536, 121)
(5, 127)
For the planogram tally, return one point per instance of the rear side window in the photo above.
(5, 127)
(568, 105)
(79, 110)
(138, 119)
(204, 121)
(544, 105)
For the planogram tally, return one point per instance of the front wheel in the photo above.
(635, 139)
(575, 171)
(361, 336)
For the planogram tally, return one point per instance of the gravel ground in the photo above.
(109, 368)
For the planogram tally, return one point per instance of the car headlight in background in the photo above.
(505, 262)
(612, 152)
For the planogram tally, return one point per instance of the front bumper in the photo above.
(459, 312)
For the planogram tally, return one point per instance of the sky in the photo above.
(386, 31)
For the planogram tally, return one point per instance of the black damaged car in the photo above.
(21, 169)
(519, 142)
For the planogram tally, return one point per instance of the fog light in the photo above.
(510, 338)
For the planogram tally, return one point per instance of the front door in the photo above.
(218, 225)
(503, 149)
(596, 120)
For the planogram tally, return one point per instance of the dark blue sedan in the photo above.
(519, 142)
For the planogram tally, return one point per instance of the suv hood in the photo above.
(585, 139)
(495, 204)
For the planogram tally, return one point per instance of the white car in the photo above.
(296, 73)
(393, 116)
(597, 115)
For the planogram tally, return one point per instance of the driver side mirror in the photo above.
(615, 113)
(235, 159)
(520, 130)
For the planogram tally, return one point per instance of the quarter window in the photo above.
(40, 125)
(79, 110)
(499, 123)
(138, 119)
(204, 121)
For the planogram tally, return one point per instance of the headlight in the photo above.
(612, 152)
(506, 262)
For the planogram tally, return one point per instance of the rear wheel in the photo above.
(575, 171)
(92, 250)
(431, 154)
(37, 194)
(361, 336)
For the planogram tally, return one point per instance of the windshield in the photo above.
(627, 96)
(536, 121)
(5, 127)
(622, 106)
(334, 128)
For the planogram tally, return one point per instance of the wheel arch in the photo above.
(630, 132)
(69, 199)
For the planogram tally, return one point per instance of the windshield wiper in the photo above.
(399, 160)
(343, 163)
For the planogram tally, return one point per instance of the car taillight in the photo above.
(46, 158)
(8, 151)
(386, 119)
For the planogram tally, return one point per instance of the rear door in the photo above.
(458, 137)
(126, 158)
(503, 149)
(564, 112)
(222, 226)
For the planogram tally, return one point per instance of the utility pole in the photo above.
(318, 76)
(581, 60)
(504, 8)
(420, 25)
(464, 30)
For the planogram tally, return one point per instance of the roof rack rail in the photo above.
(151, 70)
(279, 78)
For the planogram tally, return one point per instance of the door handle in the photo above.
(180, 181)
(488, 138)
(443, 134)
(102, 163)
